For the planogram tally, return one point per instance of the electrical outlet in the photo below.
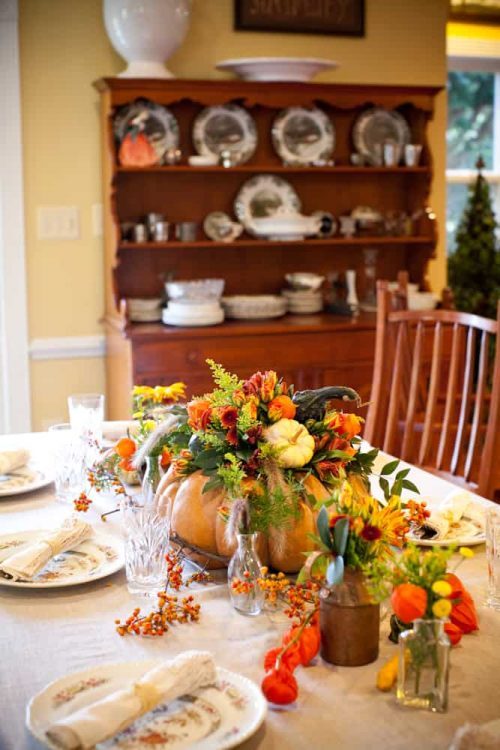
(97, 220)
(58, 223)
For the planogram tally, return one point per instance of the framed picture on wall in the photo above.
(336, 17)
(475, 11)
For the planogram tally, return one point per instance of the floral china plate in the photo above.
(303, 136)
(263, 196)
(225, 128)
(98, 557)
(26, 479)
(376, 126)
(218, 717)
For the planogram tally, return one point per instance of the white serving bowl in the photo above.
(422, 301)
(199, 289)
(304, 281)
(276, 68)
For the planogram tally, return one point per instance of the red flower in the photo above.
(232, 436)
(334, 519)
(371, 533)
(323, 468)
(280, 687)
(409, 602)
(228, 416)
(254, 434)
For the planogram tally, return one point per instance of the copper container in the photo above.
(349, 623)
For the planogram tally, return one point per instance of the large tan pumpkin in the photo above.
(195, 519)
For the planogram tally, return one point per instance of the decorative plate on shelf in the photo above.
(302, 136)
(97, 557)
(276, 68)
(262, 196)
(218, 717)
(376, 126)
(225, 128)
(145, 131)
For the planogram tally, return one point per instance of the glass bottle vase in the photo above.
(243, 573)
(423, 667)
(151, 479)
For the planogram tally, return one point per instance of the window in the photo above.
(473, 131)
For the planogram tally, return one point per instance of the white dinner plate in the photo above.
(26, 479)
(465, 541)
(98, 557)
(211, 718)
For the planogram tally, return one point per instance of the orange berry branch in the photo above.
(170, 607)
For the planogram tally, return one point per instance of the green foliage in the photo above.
(474, 267)
(231, 475)
(272, 509)
(400, 482)
(470, 119)
(226, 383)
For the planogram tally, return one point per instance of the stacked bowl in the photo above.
(194, 303)
(304, 296)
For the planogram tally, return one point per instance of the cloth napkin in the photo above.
(457, 507)
(477, 737)
(103, 719)
(26, 563)
(12, 460)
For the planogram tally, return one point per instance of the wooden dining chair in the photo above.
(435, 398)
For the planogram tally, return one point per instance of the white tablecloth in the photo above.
(45, 635)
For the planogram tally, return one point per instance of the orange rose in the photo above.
(339, 444)
(346, 424)
(409, 602)
(196, 410)
(166, 458)
(281, 407)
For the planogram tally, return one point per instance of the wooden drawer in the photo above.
(244, 355)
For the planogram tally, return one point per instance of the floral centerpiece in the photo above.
(284, 452)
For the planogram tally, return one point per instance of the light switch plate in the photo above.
(58, 223)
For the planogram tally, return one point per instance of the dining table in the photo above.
(48, 634)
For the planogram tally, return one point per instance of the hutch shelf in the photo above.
(311, 350)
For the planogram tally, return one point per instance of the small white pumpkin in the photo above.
(294, 443)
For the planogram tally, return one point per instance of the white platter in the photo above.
(465, 541)
(225, 128)
(25, 479)
(219, 717)
(96, 558)
(303, 136)
(276, 68)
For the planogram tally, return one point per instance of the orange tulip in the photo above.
(280, 687)
(281, 407)
(197, 411)
(453, 632)
(409, 602)
(464, 614)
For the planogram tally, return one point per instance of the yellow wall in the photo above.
(64, 48)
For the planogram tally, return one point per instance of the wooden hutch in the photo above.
(309, 350)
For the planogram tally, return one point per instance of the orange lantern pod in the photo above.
(453, 632)
(280, 687)
(464, 614)
(409, 602)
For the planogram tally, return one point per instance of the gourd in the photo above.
(195, 519)
(294, 444)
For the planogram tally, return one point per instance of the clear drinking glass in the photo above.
(424, 665)
(146, 544)
(493, 556)
(68, 461)
(86, 414)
